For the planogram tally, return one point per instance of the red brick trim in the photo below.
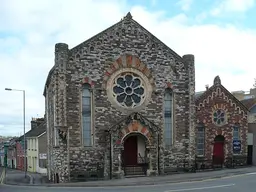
(88, 80)
(127, 61)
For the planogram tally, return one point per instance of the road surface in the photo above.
(244, 183)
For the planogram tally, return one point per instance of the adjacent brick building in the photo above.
(20, 153)
(120, 99)
(221, 123)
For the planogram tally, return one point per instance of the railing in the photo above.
(236, 161)
(141, 160)
(203, 164)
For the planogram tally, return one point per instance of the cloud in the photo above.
(227, 6)
(219, 50)
(29, 30)
(185, 4)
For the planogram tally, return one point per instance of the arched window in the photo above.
(168, 117)
(86, 115)
(200, 140)
(236, 132)
(236, 137)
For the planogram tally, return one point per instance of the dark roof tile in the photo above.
(249, 103)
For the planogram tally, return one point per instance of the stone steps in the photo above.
(134, 171)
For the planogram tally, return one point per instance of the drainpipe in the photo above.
(158, 153)
(110, 153)
(110, 157)
(68, 151)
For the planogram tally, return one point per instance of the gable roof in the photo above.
(198, 94)
(123, 22)
(217, 83)
(37, 131)
(249, 103)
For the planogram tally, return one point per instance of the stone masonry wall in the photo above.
(91, 60)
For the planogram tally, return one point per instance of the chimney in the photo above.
(35, 122)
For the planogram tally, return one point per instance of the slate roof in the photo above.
(198, 94)
(249, 103)
(34, 132)
(37, 131)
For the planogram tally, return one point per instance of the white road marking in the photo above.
(201, 188)
(134, 186)
(253, 173)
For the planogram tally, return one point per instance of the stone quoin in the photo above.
(121, 99)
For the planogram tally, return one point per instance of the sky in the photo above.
(220, 33)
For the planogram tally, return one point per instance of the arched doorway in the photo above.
(134, 154)
(218, 150)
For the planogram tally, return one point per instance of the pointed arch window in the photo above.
(236, 132)
(168, 117)
(200, 140)
(86, 115)
(236, 136)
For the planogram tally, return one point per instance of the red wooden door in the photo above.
(218, 152)
(130, 150)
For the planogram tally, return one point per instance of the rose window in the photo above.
(129, 90)
(219, 117)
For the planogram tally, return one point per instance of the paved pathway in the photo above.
(16, 177)
(238, 183)
(160, 179)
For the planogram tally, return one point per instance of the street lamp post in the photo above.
(24, 127)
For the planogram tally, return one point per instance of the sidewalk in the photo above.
(16, 177)
(176, 178)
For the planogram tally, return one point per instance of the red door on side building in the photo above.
(131, 151)
(218, 150)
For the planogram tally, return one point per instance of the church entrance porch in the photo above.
(134, 155)
(134, 148)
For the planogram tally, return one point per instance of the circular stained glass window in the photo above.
(129, 90)
(219, 117)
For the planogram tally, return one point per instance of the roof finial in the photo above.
(217, 80)
(128, 16)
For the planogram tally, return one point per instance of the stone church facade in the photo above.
(120, 100)
(221, 125)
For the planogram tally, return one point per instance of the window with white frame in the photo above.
(200, 140)
(236, 133)
(236, 136)
(86, 115)
(168, 128)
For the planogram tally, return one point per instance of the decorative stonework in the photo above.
(129, 89)
(169, 85)
(217, 92)
(99, 59)
(220, 111)
(130, 62)
(219, 115)
(135, 128)
(88, 80)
